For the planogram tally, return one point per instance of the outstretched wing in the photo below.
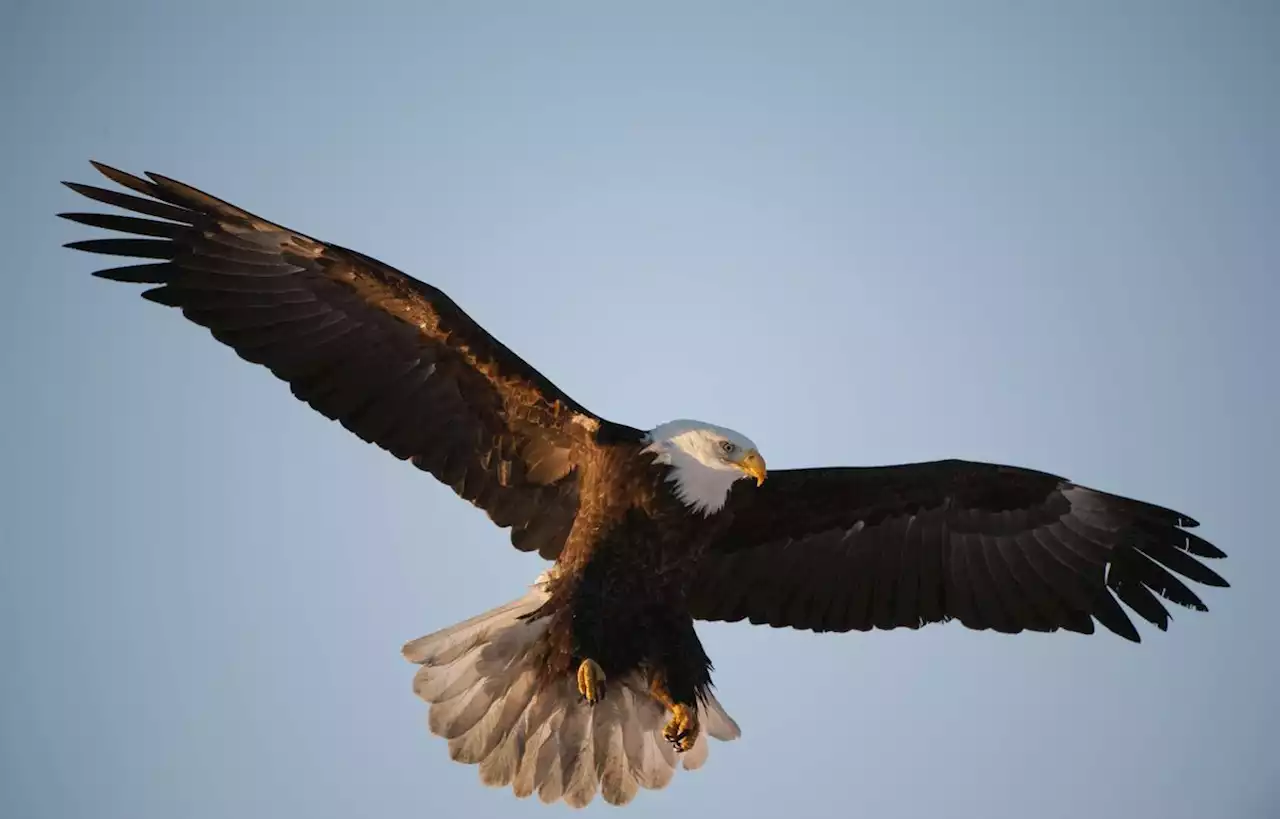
(391, 358)
(995, 547)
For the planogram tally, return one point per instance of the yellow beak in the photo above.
(753, 465)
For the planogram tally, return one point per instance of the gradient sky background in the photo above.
(1033, 233)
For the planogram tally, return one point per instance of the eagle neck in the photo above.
(702, 489)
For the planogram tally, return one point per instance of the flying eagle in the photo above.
(594, 681)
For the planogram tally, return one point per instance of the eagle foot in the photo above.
(591, 681)
(683, 729)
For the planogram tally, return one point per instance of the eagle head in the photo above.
(706, 460)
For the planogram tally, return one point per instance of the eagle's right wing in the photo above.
(995, 547)
(391, 358)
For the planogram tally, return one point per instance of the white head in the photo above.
(706, 461)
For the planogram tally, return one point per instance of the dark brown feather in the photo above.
(993, 546)
(389, 357)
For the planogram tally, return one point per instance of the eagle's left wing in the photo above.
(995, 547)
(390, 357)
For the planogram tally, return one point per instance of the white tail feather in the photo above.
(479, 678)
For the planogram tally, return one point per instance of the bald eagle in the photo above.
(594, 680)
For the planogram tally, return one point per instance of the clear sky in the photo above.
(861, 233)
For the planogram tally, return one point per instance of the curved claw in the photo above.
(683, 728)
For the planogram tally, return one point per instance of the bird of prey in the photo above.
(594, 681)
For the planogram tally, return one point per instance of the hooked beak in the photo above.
(753, 465)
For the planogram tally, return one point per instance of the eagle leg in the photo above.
(591, 681)
(683, 728)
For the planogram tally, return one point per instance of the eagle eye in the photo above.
(727, 446)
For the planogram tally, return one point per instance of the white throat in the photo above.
(702, 480)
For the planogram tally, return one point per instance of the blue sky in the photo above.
(1033, 233)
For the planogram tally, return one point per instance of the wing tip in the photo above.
(105, 169)
(1198, 546)
(1131, 633)
(1209, 577)
(79, 217)
(123, 178)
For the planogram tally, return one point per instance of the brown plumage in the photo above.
(649, 530)
(995, 547)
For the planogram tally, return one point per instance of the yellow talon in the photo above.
(591, 681)
(682, 731)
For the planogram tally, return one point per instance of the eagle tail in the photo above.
(487, 699)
